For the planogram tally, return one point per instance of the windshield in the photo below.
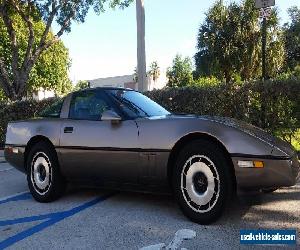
(137, 105)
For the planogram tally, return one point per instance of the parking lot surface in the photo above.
(101, 219)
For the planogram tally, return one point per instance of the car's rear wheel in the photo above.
(44, 179)
(202, 181)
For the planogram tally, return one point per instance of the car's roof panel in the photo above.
(104, 88)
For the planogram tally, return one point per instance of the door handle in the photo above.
(68, 130)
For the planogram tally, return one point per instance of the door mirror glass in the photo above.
(110, 115)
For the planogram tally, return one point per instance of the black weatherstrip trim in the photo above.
(15, 146)
(267, 157)
(112, 149)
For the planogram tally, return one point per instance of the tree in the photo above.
(154, 71)
(50, 72)
(81, 85)
(181, 72)
(292, 38)
(14, 76)
(229, 43)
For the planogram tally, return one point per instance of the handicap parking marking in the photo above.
(16, 197)
(180, 236)
(48, 219)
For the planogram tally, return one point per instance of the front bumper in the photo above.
(275, 173)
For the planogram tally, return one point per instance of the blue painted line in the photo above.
(19, 197)
(52, 218)
(26, 219)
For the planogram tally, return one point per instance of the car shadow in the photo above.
(261, 209)
(244, 211)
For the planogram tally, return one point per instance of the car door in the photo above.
(95, 149)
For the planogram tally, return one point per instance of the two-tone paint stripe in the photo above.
(86, 148)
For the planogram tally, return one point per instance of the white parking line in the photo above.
(12, 196)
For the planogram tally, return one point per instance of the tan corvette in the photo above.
(121, 139)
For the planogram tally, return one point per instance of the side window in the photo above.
(53, 110)
(88, 105)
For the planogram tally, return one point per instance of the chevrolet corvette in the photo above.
(121, 139)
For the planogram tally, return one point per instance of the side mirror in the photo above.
(110, 115)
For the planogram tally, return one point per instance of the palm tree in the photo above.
(135, 75)
(154, 71)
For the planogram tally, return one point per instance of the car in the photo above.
(119, 138)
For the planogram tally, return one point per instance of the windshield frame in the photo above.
(117, 102)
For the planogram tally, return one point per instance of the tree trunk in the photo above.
(15, 90)
(227, 76)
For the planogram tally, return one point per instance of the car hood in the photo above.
(252, 130)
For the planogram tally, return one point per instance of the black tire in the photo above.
(44, 179)
(213, 173)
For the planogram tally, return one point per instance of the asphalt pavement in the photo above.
(101, 219)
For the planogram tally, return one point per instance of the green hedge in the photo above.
(272, 105)
(19, 111)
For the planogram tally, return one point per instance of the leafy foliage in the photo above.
(292, 38)
(181, 72)
(37, 18)
(206, 82)
(135, 75)
(81, 85)
(50, 72)
(3, 98)
(154, 71)
(229, 43)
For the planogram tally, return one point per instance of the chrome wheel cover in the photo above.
(200, 183)
(41, 173)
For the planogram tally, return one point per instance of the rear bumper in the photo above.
(14, 155)
(275, 173)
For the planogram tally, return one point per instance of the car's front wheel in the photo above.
(202, 181)
(44, 179)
